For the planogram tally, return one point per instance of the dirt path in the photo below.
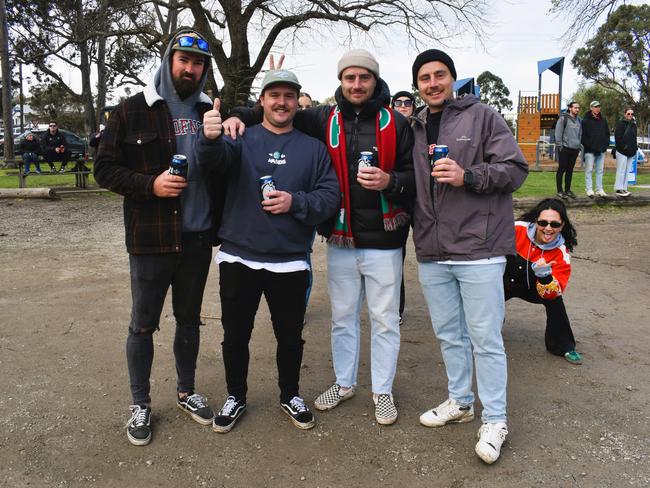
(64, 395)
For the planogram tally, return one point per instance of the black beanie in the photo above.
(403, 94)
(429, 56)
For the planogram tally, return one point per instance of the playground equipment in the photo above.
(536, 116)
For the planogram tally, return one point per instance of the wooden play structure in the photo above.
(536, 116)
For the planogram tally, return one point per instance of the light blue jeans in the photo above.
(623, 166)
(597, 159)
(467, 308)
(353, 274)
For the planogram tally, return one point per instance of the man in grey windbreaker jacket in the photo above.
(463, 229)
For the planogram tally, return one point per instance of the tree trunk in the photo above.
(6, 86)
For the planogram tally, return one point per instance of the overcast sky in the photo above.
(523, 33)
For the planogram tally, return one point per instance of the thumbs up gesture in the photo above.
(212, 126)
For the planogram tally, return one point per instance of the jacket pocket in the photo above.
(144, 152)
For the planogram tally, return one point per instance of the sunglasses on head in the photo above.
(189, 41)
(553, 223)
(404, 103)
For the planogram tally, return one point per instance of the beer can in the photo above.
(439, 152)
(365, 159)
(178, 166)
(267, 184)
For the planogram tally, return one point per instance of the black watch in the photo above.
(468, 178)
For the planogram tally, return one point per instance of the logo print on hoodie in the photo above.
(277, 158)
(182, 127)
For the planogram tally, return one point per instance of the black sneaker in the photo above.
(227, 417)
(196, 406)
(570, 194)
(138, 429)
(299, 413)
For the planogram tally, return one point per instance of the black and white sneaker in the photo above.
(299, 413)
(385, 409)
(196, 406)
(138, 429)
(227, 417)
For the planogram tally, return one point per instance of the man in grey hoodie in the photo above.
(568, 133)
(462, 232)
(170, 221)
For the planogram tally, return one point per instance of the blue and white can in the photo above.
(267, 185)
(365, 159)
(178, 166)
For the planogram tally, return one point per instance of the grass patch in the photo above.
(542, 183)
(9, 178)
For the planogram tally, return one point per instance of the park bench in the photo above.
(81, 176)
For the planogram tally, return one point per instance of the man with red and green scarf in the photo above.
(370, 146)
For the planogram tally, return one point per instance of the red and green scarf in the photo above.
(394, 215)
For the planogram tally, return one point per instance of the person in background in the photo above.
(626, 148)
(30, 148)
(304, 101)
(539, 271)
(568, 134)
(404, 103)
(595, 140)
(55, 148)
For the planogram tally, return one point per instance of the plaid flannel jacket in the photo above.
(137, 145)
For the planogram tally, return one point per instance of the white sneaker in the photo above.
(601, 193)
(590, 193)
(490, 439)
(447, 412)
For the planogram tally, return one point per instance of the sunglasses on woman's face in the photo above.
(554, 224)
(630, 113)
(405, 103)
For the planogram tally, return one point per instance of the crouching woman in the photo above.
(540, 270)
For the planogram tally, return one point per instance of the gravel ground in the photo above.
(63, 402)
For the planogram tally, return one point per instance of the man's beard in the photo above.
(185, 86)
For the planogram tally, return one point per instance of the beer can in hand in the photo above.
(178, 166)
(267, 185)
(365, 159)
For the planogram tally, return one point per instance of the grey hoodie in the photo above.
(568, 131)
(195, 199)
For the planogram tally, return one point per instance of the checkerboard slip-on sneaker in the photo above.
(385, 409)
(331, 397)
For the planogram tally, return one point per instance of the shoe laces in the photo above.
(229, 406)
(138, 416)
(492, 433)
(197, 400)
(298, 404)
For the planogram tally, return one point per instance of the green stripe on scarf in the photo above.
(394, 215)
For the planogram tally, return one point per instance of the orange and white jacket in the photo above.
(548, 287)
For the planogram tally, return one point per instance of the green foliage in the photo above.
(52, 101)
(618, 57)
(612, 102)
(494, 92)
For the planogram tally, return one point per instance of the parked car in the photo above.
(77, 145)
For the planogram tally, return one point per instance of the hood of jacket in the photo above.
(380, 98)
(162, 86)
(555, 243)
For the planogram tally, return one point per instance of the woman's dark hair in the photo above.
(568, 231)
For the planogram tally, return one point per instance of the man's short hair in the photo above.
(571, 103)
